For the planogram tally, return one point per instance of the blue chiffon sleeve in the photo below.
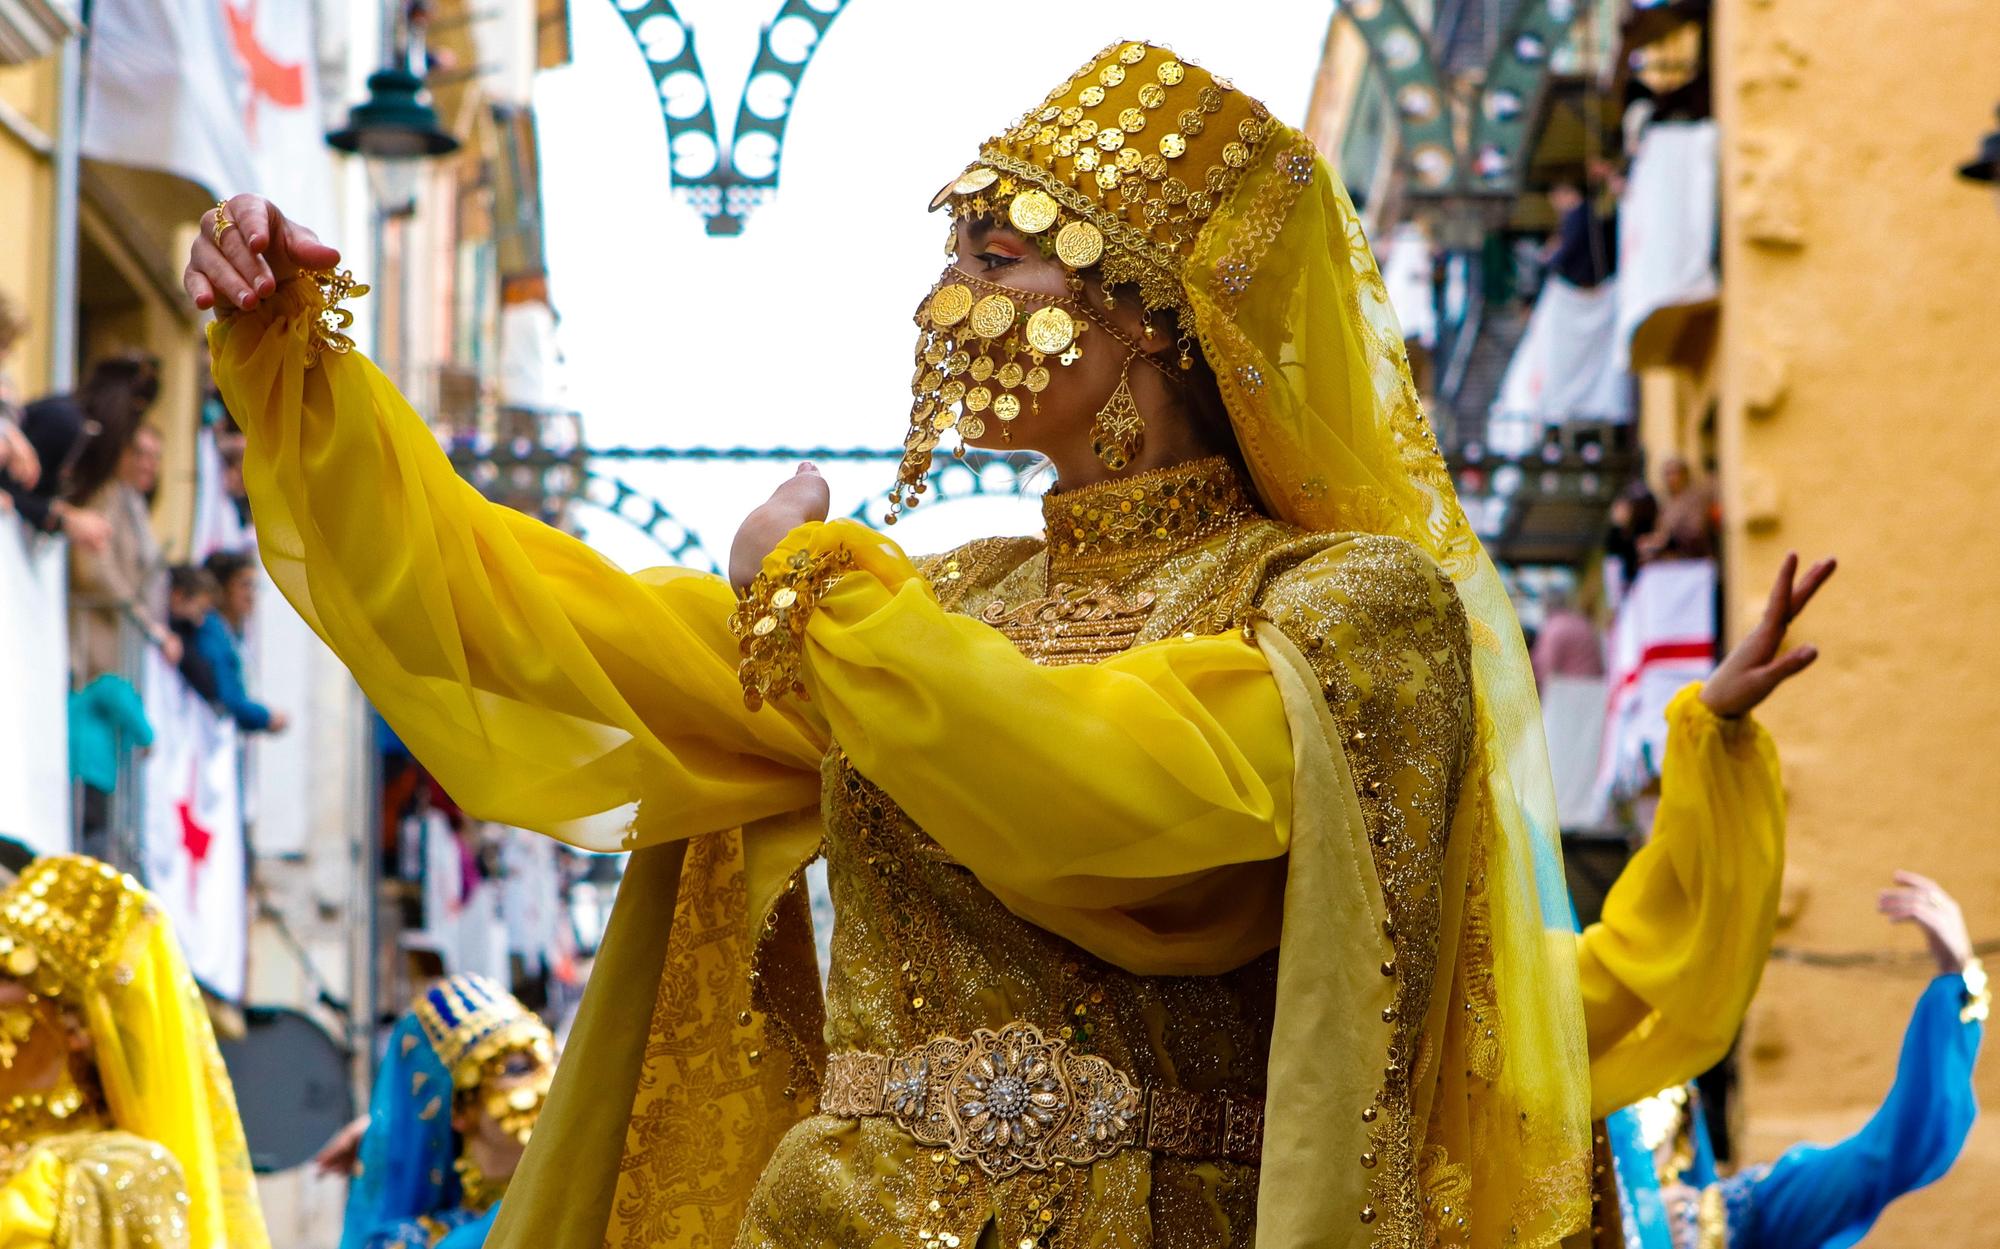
(1828, 1196)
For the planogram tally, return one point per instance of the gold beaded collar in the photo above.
(1146, 513)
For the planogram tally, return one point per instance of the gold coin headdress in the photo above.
(1114, 174)
(1119, 169)
(65, 923)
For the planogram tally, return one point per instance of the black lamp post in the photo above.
(1985, 167)
(394, 130)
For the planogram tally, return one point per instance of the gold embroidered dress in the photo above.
(1193, 868)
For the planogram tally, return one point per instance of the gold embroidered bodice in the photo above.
(921, 949)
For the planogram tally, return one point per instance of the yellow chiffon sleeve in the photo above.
(1140, 806)
(1669, 971)
(30, 1202)
(540, 684)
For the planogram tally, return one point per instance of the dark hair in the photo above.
(114, 398)
(226, 566)
(190, 579)
(1210, 417)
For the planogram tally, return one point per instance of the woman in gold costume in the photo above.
(118, 1126)
(1194, 866)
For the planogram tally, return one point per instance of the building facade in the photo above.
(1857, 389)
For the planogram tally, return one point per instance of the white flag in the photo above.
(193, 829)
(220, 92)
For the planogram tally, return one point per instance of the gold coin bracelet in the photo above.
(770, 623)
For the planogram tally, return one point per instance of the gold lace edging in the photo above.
(770, 621)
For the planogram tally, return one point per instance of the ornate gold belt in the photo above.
(1014, 1099)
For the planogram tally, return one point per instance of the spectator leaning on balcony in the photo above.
(1686, 527)
(77, 441)
(190, 598)
(1584, 249)
(126, 582)
(220, 641)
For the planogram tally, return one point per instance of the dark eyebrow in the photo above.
(979, 228)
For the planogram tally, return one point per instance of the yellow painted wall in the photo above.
(27, 198)
(1860, 414)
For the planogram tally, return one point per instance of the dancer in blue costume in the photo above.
(1819, 1196)
(459, 1090)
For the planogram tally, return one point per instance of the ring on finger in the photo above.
(222, 221)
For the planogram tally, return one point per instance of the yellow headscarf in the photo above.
(101, 945)
(1230, 219)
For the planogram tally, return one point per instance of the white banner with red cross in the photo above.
(1662, 639)
(221, 92)
(193, 828)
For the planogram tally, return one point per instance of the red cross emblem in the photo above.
(282, 83)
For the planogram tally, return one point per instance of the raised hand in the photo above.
(1753, 668)
(1918, 900)
(256, 249)
(800, 498)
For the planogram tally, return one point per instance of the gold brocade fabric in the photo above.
(94, 1190)
(921, 949)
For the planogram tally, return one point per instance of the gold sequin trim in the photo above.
(770, 621)
(328, 330)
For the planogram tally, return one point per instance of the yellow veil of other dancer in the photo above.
(100, 944)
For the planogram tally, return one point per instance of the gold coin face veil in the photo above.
(1164, 183)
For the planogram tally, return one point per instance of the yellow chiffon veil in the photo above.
(104, 947)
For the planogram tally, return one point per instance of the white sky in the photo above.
(798, 332)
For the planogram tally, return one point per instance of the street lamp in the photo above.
(394, 130)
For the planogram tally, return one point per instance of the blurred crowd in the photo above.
(85, 465)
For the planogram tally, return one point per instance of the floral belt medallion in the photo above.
(1017, 1100)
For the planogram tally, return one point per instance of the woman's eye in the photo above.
(996, 260)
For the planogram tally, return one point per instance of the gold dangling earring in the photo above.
(1119, 430)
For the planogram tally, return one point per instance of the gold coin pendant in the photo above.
(1031, 213)
(993, 316)
(1051, 330)
(1079, 244)
(950, 304)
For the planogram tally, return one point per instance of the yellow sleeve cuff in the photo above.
(771, 615)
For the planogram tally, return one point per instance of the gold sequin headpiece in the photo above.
(469, 1019)
(1119, 168)
(66, 922)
